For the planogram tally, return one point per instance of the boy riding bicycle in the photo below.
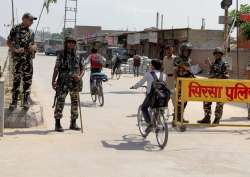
(96, 64)
(155, 74)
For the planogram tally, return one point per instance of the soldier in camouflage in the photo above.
(218, 70)
(22, 45)
(67, 79)
(182, 67)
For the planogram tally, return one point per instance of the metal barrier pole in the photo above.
(248, 108)
(1, 106)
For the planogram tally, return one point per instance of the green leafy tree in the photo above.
(245, 26)
(47, 3)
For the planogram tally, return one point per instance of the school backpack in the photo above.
(159, 94)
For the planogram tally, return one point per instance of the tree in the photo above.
(245, 26)
(48, 2)
(46, 5)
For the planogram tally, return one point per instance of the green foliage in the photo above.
(245, 26)
(47, 3)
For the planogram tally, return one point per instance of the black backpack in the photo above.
(159, 94)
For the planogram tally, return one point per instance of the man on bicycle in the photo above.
(149, 77)
(117, 61)
(97, 62)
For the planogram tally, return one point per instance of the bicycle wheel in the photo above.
(142, 124)
(118, 73)
(161, 130)
(93, 93)
(100, 95)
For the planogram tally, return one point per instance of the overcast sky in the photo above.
(121, 14)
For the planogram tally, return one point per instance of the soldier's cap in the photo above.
(28, 15)
(186, 46)
(218, 50)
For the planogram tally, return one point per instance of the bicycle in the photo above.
(159, 118)
(97, 89)
(117, 73)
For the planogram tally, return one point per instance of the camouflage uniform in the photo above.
(183, 66)
(21, 37)
(218, 70)
(68, 67)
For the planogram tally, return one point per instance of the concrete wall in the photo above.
(206, 39)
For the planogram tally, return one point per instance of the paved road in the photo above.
(111, 145)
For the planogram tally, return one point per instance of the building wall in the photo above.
(199, 56)
(243, 42)
(82, 32)
(206, 39)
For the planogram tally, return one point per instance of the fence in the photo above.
(5, 81)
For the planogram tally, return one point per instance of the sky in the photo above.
(120, 14)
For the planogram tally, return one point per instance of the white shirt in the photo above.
(149, 79)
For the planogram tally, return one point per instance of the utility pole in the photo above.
(238, 64)
(162, 21)
(203, 24)
(225, 4)
(226, 30)
(13, 13)
(157, 20)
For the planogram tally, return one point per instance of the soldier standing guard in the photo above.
(182, 67)
(67, 78)
(22, 45)
(218, 70)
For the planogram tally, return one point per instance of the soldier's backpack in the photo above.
(159, 94)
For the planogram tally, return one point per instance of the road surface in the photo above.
(111, 145)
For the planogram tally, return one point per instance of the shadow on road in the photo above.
(125, 93)
(236, 119)
(216, 131)
(132, 116)
(89, 104)
(29, 132)
(130, 143)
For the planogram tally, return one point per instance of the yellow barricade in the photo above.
(211, 90)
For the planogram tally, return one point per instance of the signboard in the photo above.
(245, 17)
(222, 20)
(153, 37)
(215, 90)
(134, 39)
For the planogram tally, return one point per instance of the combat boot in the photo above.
(216, 121)
(58, 127)
(73, 125)
(184, 121)
(26, 104)
(13, 104)
(206, 120)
